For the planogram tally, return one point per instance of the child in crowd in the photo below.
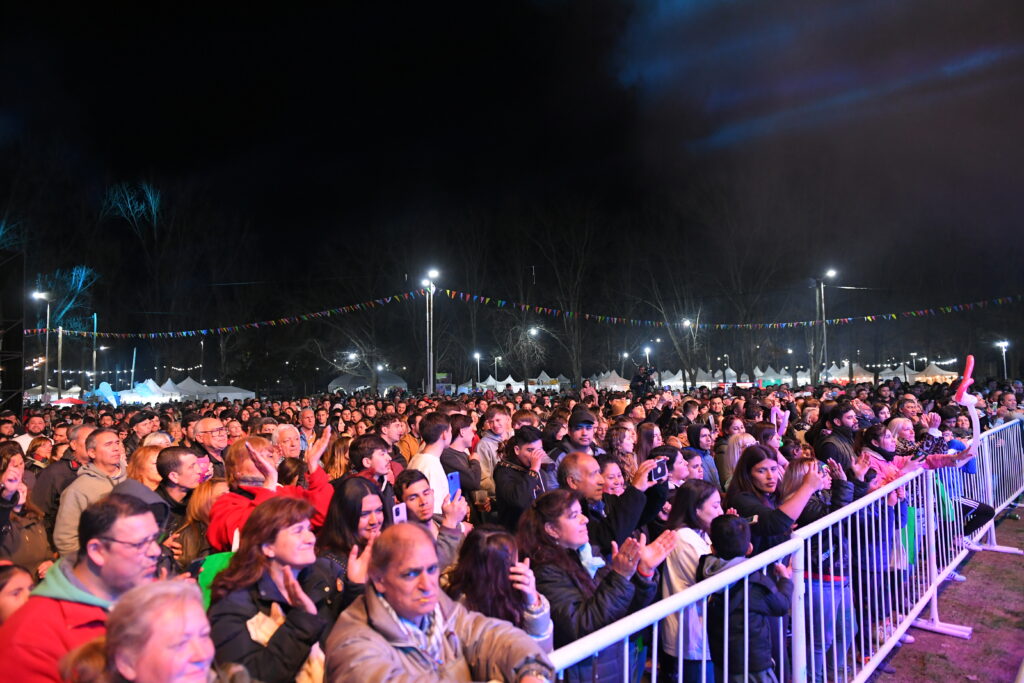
(748, 639)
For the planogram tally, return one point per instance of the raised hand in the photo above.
(264, 466)
(453, 511)
(783, 571)
(12, 483)
(640, 480)
(653, 554)
(315, 452)
(293, 592)
(861, 466)
(358, 569)
(814, 479)
(626, 558)
(522, 578)
(835, 471)
(174, 545)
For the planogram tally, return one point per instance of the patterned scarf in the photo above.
(428, 638)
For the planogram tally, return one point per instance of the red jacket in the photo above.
(37, 636)
(233, 508)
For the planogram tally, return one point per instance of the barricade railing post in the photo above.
(799, 641)
(934, 576)
(993, 465)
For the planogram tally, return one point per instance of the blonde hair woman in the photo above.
(733, 450)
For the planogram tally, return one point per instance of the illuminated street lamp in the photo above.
(432, 275)
(1002, 345)
(45, 296)
(820, 305)
(477, 357)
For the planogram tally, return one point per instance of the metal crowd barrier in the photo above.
(862, 576)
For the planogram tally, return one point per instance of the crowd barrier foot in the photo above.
(1009, 550)
(942, 627)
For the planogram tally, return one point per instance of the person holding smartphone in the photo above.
(448, 530)
(613, 519)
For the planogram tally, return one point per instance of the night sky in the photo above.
(880, 138)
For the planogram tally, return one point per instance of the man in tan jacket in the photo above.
(406, 629)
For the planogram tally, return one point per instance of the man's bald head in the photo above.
(393, 542)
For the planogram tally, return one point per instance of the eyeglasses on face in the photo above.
(218, 430)
(140, 547)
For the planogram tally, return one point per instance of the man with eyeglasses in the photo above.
(95, 480)
(117, 551)
(211, 440)
(405, 627)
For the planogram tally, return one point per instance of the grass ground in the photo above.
(991, 601)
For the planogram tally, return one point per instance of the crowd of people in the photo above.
(354, 538)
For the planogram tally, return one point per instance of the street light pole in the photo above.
(1002, 345)
(647, 354)
(46, 349)
(60, 360)
(429, 284)
(820, 306)
(94, 322)
(497, 359)
(477, 356)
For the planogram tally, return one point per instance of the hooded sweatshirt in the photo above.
(89, 486)
(58, 617)
(766, 598)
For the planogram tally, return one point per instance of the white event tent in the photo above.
(612, 380)
(933, 373)
(351, 383)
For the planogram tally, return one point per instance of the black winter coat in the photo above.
(773, 526)
(623, 515)
(579, 608)
(833, 546)
(516, 488)
(767, 598)
(282, 658)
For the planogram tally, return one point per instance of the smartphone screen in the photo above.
(659, 472)
(454, 484)
(399, 514)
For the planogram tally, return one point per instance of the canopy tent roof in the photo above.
(545, 380)
(36, 391)
(170, 387)
(190, 388)
(860, 374)
(758, 372)
(730, 375)
(562, 379)
(835, 372)
(902, 371)
(231, 393)
(770, 373)
(933, 373)
(613, 381)
(351, 383)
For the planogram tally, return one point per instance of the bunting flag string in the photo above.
(304, 317)
(466, 297)
(556, 313)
